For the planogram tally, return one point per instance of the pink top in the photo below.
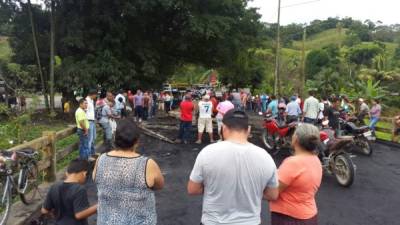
(100, 102)
(224, 107)
(376, 111)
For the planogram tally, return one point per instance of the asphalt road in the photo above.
(373, 199)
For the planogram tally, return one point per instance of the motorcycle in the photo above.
(335, 158)
(362, 135)
(277, 134)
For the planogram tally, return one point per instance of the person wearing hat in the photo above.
(90, 114)
(293, 110)
(364, 110)
(233, 175)
(205, 119)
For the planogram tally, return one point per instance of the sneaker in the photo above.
(178, 141)
(92, 159)
(198, 142)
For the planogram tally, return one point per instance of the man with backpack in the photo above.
(68, 200)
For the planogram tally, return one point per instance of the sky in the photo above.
(387, 11)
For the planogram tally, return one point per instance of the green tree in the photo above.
(7, 7)
(397, 53)
(364, 54)
(315, 61)
(129, 43)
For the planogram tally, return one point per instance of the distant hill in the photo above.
(331, 36)
(5, 50)
(322, 39)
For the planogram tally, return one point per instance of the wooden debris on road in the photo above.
(155, 134)
(164, 127)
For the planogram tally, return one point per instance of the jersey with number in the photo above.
(205, 109)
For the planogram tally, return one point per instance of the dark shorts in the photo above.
(281, 219)
(397, 131)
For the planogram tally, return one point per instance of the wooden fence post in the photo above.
(51, 155)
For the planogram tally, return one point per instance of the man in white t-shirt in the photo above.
(233, 176)
(90, 114)
(205, 120)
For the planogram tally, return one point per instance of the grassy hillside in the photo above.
(332, 37)
(5, 50)
(321, 39)
(391, 48)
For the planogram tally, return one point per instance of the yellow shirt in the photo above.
(66, 107)
(80, 115)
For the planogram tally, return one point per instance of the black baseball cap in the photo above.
(92, 92)
(236, 119)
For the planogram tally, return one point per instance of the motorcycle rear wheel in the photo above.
(344, 170)
(364, 146)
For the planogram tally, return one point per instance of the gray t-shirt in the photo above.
(234, 178)
(236, 98)
(105, 111)
(364, 108)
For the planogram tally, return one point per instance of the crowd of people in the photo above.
(233, 175)
(285, 110)
(108, 107)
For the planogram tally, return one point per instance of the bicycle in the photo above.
(27, 184)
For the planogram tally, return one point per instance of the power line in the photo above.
(301, 3)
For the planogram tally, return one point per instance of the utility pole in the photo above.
(303, 63)
(52, 34)
(339, 28)
(277, 53)
(35, 45)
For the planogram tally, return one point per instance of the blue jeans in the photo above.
(184, 130)
(309, 120)
(84, 151)
(107, 135)
(153, 109)
(372, 123)
(264, 107)
(145, 113)
(92, 137)
(107, 132)
(237, 105)
(139, 112)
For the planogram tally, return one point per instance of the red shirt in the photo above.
(186, 110)
(215, 103)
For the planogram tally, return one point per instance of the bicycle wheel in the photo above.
(5, 200)
(28, 183)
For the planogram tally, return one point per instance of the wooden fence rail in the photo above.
(46, 145)
(387, 129)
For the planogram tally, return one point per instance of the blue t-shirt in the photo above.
(293, 109)
(264, 98)
(273, 106)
